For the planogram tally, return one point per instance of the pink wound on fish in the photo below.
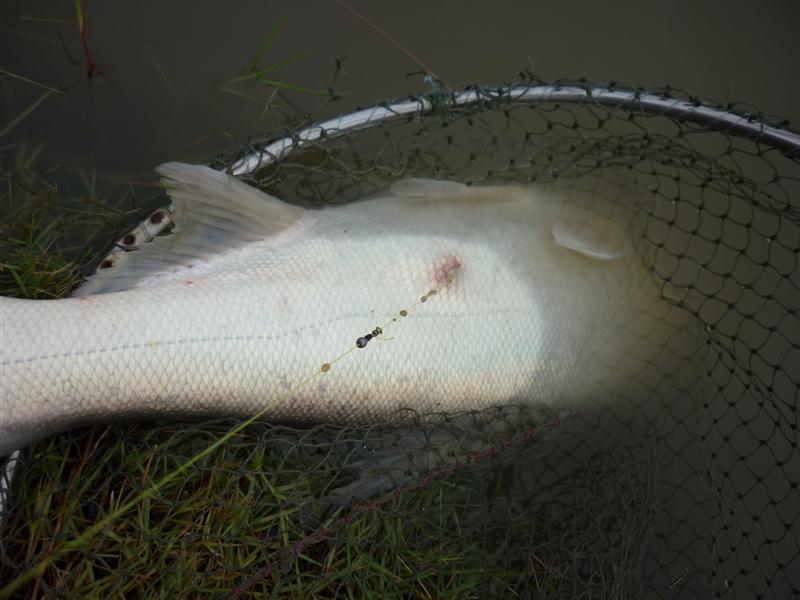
(445, 269)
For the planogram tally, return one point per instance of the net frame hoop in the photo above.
(690, 111)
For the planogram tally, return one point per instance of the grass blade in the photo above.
(21, 117)
(32, 82)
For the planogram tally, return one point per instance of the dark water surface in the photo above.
(161, 60)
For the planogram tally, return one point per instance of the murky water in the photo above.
(162, 59)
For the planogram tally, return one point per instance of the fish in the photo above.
(431, 296)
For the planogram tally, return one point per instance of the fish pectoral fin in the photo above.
(596, 238)
(210, 212)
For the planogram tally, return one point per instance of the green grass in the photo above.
(32, 264)
(46, 239)
(257, 82)
(255, 519)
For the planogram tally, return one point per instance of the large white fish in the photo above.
(434, 296)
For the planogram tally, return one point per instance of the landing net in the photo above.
(685, 487)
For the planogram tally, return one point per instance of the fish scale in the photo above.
(479, 303)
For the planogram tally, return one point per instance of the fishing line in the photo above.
(147, 493)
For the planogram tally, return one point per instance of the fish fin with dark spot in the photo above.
(210, 212)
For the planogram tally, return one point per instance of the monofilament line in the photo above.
(362, 341)
(104, 523)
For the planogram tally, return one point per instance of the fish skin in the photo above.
(516, 317)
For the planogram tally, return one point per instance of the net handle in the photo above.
(690, 111)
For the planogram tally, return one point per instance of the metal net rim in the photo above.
(691, 110)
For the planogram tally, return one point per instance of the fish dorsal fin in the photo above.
(433, 189)
(597, 238)
(210, 212)
(578, 229)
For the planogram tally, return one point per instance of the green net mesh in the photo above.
(686, 486)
